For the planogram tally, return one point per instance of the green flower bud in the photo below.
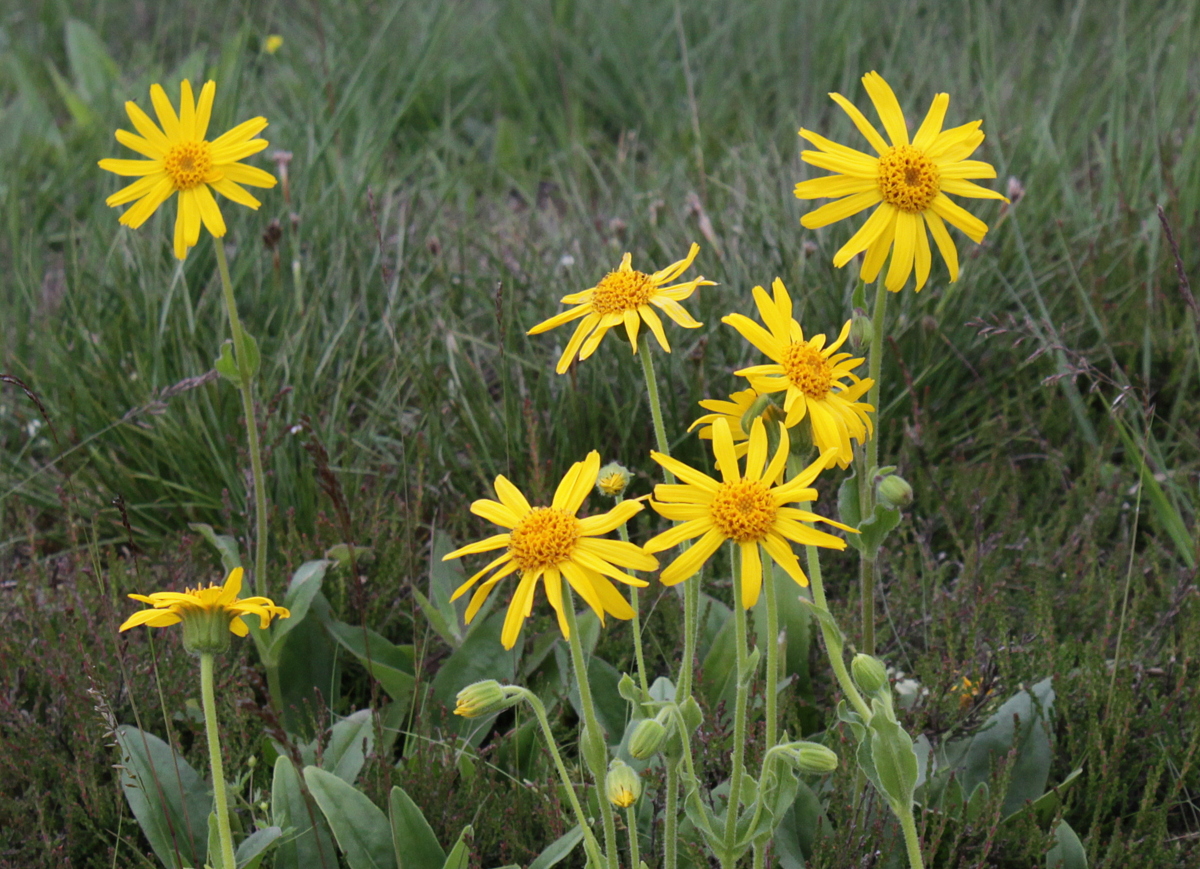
(647, 738)
(862, 330)
(869, 673)
(612, 480)
(483, 698)
(813, 758)
(622, 784)
(893, 491)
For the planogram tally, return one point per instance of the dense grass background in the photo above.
(456, 167)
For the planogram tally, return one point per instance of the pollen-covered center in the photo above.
(908, 179)
(808, 370)
(744, 511)
(622, 291)
(188, 164)
(544, 538)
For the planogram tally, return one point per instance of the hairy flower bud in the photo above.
(894, 491)
(622, 784)
(869, 673)
(612, 480)
(483, 698)
(809, 757)
(647, 738)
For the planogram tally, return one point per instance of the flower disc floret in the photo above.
(544, 538)
(620, 291)
(808, 370)
(188, 164)
(744, 511)
(908, 179)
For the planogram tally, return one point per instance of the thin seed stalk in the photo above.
(214, 758)
(247, 389)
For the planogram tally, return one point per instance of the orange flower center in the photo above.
(188, 164)
(808, 370)
(544, 538)
(908, 179)
(622, 291)
(744, 511)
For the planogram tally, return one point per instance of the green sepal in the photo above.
(894, 761)
(849, 716)
(595, 752)
(227, 366)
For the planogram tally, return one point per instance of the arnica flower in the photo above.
(624, 297)
(209, 615)
(908, 182)
(744, 508)
(552, 544)
(819, 382)
(182, 161)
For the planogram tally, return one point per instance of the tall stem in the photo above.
(589, 839)
(214, 758)
(739, 722)
(671, 821)
(867, 568)
(912, 842)
(247, 389)
(772, 657)
(833, 642)
(594, 734)
(631, 825)
(636, 623)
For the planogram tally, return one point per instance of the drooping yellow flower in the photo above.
(745, 508)
(182, 161)
(624, 297)
(908, 182)
(820, 383)
(552, 544)
(208, 614)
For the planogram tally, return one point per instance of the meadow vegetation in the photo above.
(455, 168)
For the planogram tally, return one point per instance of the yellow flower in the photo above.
(273, 44)
(746, 509)
(908, 181)
(813, 375)
(551, 543)
(208, 614)
(182, 161)
(624, 298)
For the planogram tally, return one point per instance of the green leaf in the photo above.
(611, 710)
(305, 584)
(895, 761)
(1067, 852)
(227, 366)
(718, 667)
(169, 799)
(308, 843)
(1045, 806)
(215, 858)
(256, 846)
(479, 657)
(848, 509)
(460, 853)
(309, 674)
(361, 829)
(998, 735)
(876, 528)
(413, 839)
(558, 850)
(350, 741)
(797, 829)
(225, 545)
(390, 664)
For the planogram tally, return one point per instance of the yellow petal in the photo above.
(252, 175)
(864, 126)
(887, 106)
(832, 212)
(945, 244)
(209, 212)
(752, 574)
(167, 118)
(955, 214)
(874, 226)
(932, 125)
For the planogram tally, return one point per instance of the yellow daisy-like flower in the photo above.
(909, 181)
(745, 508)
(552, 544)
(820, 382)
(182, 161)
(624, 297)
(209, 615)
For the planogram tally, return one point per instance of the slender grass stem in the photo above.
(247, 389)
(594, 734)
(214, 758)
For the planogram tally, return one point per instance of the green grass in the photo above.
(456, 169)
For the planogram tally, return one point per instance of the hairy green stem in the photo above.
(632, 828)
(772, 642)
(868, 569)
(671, 819)
(599, 770)
(589, 838)
(739, 722)
(912, 842)
(636, 622)
(833, 641)
(214, 758)
(247, 389)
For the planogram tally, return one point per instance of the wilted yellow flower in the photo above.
(624, 298)
(551, 543)
(182, 161)
(745, 508)
(208, 614)
(908, 182)
(820, 383)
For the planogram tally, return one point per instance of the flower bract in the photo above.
(552, 544)
(742, 507)
(819, 383)
(625, 297)
(181, 160)
(208, 614)
(907, 183)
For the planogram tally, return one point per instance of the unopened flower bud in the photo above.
(612, 480)
(809, 757)
(893, 491)
(862, 330)
(869, 673)
(483, 698)
(622, 784)
(647, 738)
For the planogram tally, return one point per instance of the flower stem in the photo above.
(636, 622)
(868, 568)
(772, 642)
(214, 758)
(912, 842)
(247, 389)
(671, 820)
(589, 839)
(833, 641)
(739, 724)
(594, 734)
(632, 826)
